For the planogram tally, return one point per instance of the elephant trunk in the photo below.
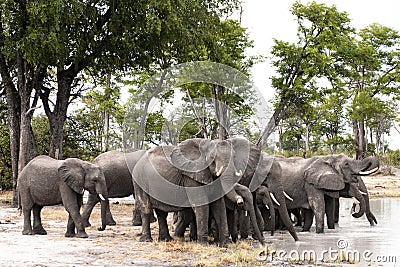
(101, 190)
(353, 191)
(271, 208)
(250, 207)
(370, 216)
(282, 209)
(104, 207)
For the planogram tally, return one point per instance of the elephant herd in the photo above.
(224, 188)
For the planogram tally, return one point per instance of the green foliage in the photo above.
(392, 158)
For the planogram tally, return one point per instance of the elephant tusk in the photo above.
(239, 173)
(102, 197)
(245, 213)
(363, 193)
(267, 207)
(219, 172)
(369, 172)
(287, 196)
(274, 199)
(355, 200)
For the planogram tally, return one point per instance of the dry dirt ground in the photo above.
(119, 246)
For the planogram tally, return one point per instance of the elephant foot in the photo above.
(136, 223)
(86, 224)
(40, 231)
(70, 234)
(111, 223)
(145, 238)
(165, 238)
(27, 232)
(82, 235)
(305, 230)
(319, 230)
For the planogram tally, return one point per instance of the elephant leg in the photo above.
(70, 227)
(317, 204)
(192, 227)
(37, 221)
(337, 210)
(146, 232)
(297, 215)
(330, 211)
(87, 211)
(27, 222)
(137, 219)
(109, 218)
(219, 213)
(163, 232)
(202, 216)
(308, 219)
(184, 219)
(230, 214)
(72, 203)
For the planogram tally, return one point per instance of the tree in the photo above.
(373, 62)
(321, 31)
(45, 46)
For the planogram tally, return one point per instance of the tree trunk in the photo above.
(356, 139)
(13, 115)
(274, 121)
(140, 134)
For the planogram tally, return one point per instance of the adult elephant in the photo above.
(312, 181)
(172, 178)
(117, 167)
(45, 181)
(270, 174)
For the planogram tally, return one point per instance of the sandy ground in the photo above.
(119, 246)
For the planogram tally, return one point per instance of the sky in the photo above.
(266, 20)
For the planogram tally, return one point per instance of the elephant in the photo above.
(172, 178)
(269, 173)
(117, 167)
(45, 181)
(259, 172)
(314, 183)
(266, 208)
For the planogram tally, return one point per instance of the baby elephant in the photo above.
(46, 181)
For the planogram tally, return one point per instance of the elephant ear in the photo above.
(72, 173)
(191, 157)
(323, 176)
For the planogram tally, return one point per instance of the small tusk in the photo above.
(369, 172)
(245, 213)
(267, 207)
(287, 196)
(219, 172)
(274, 199)
(101, 197)
(355, 200)
(363, 193)
(239, 173)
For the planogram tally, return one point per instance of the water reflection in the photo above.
(380, 243)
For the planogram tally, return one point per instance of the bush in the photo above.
(391, 158)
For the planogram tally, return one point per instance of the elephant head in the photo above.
(263, 198)
(205, 160)
(332, 172)
(80, 175)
